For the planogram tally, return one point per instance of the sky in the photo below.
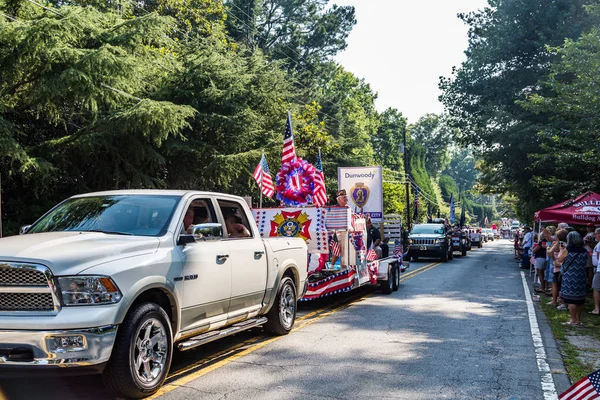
(402, 47)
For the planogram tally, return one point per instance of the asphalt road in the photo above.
(455, 330)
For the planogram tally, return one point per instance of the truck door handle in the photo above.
(222, 257)
(259, 253)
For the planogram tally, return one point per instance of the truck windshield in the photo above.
(427, 228)
(139, 215)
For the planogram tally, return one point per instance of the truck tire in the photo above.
(444, 255)
(387, 286)
(451, 254)
(142, 353)
(463, 252)
(282, 315)
(479, 245)
(396, 284)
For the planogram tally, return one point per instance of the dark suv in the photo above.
(430, 240)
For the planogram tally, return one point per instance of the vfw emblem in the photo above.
(291, 224)
(360, 194)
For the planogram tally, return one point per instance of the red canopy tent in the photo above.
(581, 210)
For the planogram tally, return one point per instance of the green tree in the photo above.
(388, 140)
(432, 132)
(299, 32)
(506, 59)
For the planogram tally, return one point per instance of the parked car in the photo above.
(113, 282)
(489, 234)
(430, 240)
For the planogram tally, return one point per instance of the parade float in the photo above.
(339, 260)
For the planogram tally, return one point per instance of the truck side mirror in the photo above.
(207, 231)
(24, 229)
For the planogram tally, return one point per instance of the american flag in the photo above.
(289, 152)
(398, 251)
(263, 178)
(335, 248)
(319, 192)
(371, 255)
(586, 388)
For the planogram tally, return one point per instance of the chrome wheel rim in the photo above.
(150, 352)
(287, 306)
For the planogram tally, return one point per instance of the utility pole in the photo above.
(405, 151)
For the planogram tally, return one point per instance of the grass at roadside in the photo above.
(572, 354)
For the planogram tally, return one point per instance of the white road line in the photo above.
(540, 352)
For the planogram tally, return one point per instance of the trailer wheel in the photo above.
(387, 286)
(396, 284)
(282, 315)
(142, 353)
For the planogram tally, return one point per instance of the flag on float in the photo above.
(289, 151)
(371, 255)
(452, 211)
(262, 176)
(398, 251)
(485, 221)
(586, 388)
(462, 215)
(334, 247)
(319, 192)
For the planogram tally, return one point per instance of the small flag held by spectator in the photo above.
(586, 388)
(263, 178)
(398, 251)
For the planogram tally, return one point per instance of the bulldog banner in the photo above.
(365, 190)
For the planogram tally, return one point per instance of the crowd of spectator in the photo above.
(565, 262)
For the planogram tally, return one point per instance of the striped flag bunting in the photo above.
(342, 281)
(319, 191)
(289, 151)
(262, 176)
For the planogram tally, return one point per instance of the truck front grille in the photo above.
(423, 241)
(26, 287)
(21, 276)
(26, 302)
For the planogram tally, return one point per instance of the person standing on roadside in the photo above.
(596, 279)
(561, 237)
(527, 245)
(539, 253)
(574, 276)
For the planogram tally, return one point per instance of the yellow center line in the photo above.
(319, 314)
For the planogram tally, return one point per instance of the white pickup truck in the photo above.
(113, 282)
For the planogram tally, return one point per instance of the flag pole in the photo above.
(262, 178)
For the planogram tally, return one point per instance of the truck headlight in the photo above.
(84, 290)
(410, 241)
(437, 241)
